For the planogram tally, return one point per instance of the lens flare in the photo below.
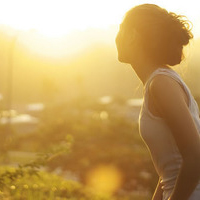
(104, 179)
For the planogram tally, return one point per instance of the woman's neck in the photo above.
(144, 71)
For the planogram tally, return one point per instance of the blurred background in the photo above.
(68, 109)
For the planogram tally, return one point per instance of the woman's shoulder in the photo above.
(166, 89)
(161, 83)
(165, 78)
(161, 73)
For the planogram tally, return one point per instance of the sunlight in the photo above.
(57, 17)
(54, 18)
(51, 18)
(56, 28)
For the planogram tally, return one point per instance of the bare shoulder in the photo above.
(167, 94)
(162, 87)
(162, 84)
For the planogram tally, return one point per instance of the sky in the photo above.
(42, 25)
(63, 29)
(59, 17)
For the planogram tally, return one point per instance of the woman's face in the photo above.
(123, 46)
(127, 45)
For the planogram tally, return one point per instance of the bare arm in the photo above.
(169, 98)
(158, 192)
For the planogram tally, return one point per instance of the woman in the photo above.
(151, 40)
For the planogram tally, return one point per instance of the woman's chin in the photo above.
(123, 60)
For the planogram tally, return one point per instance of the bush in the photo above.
(84, 135)
(43, 186)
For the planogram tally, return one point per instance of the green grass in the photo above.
(48, 186)
(43, 187)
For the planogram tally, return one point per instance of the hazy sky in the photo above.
(58, 17)
(57, 28)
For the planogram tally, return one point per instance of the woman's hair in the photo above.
(163, 34)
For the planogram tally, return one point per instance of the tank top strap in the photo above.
(164, 71)
(170, 73)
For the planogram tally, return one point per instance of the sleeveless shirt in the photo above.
(159, 138)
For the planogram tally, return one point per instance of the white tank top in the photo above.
(159, 138)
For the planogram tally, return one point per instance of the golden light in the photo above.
(58, 27)
(104, 115)
(58, 17)
(55, 18)
(105, 179)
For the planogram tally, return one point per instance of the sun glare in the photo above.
(59, 17)
(56, 17)
(46, 23)
(104, 179)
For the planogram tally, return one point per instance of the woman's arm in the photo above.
(169, 98)
(158, 192)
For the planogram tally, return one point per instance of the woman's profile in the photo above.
(151, 39)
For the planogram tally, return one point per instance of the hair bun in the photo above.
(181, 27)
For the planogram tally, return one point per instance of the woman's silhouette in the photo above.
(151, 40)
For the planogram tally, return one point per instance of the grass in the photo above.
(48, 186)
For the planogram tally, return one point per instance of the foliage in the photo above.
(43, 186)
(28, 181)
(83, 134)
